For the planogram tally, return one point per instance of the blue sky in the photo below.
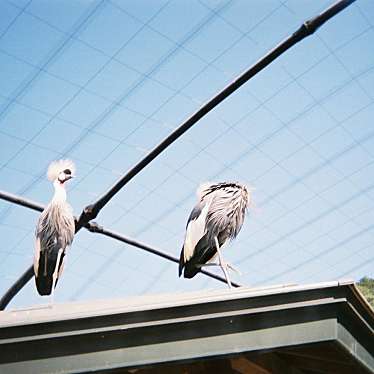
(102, 82)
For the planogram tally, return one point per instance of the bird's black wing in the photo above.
(48, 254)
(205, 250)
(195, 214)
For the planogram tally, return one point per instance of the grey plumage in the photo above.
(55, 230)
(218, 216)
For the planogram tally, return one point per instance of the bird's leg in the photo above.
(200, 266)
(223, 264)
(54, 276)
(229, 266)
(51, 300)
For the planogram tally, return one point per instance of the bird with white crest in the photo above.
(54, 231)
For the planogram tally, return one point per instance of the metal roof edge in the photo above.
(96, 308)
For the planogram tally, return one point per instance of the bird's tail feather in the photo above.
(44, 285)
(190, 270)
(203, 252)
(46, 269)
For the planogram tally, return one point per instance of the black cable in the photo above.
(307, 28)
(19, 200)
(94, 227)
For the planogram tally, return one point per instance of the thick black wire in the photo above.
(91, 211)
(92, 227)
(307, 28)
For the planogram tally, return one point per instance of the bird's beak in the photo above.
(68, 177)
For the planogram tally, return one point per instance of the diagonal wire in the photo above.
(22, 10)
(27, 83)
(306, 29)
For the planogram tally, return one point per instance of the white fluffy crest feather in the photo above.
(202, 188)
(56, 167)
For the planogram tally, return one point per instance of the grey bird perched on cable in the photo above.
(54, 231)
(217, 217)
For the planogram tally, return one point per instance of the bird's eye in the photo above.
(67, 171)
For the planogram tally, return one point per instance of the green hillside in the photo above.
(366, 286)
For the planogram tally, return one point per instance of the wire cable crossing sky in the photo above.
(298, 133)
